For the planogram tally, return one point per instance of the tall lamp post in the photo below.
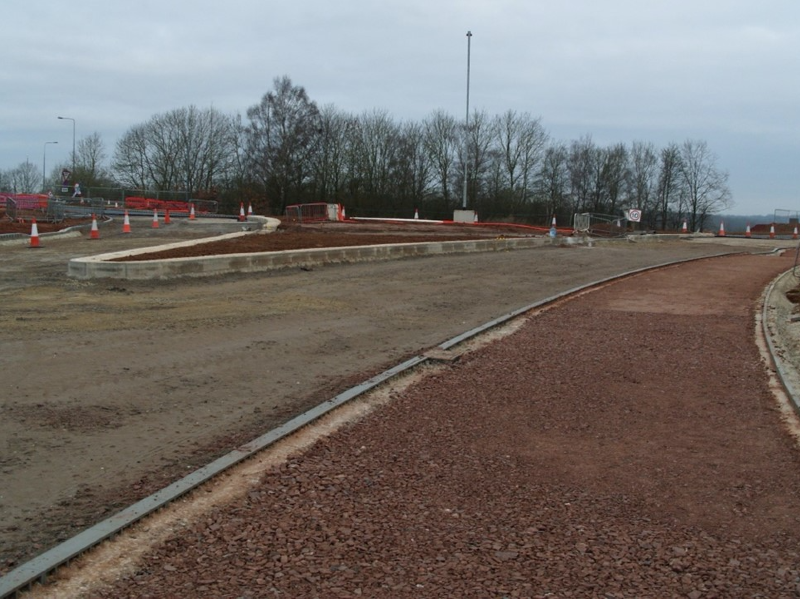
(44, 163)
(73, 141)
(466, 126)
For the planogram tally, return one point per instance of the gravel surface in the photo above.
(622, 444)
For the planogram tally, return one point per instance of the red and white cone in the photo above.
(794, 233)
(249, 209)
(241, 212)
(772, 231)
(344, 216)
(191, 212)
(95, 234)
(554, 221)
(126, 223)
(684, 229)
(167, 220)
(155, 218)
(475, 218)
(721, 229)
(416, 213)
(34, 235)
(747, 231)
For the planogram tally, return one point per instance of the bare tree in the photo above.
(613, 175)
(669, 196)
(554, 178)
(521, 141)
(582, 167)
(5, 181)
(479, 141)
(131, 159)
(375, 140)
(442, 146)
(25, 178)
(282, 135)
(329, 162)
(411, 169)
(187, 149)
(90, 162)
(706, 186)
(642, 174)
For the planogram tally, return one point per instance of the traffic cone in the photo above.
(191, 212)
(721, 229)
(166, 217)
(126, 223)
(475, 218)
(155, 218)
(344, 216)
(34, 235)
(241, 212)
(95, 234)
(794, 234)
(416, 213)
(249, 209)
(684, 229)
(747, 231)
(772, 231)
(554, 221)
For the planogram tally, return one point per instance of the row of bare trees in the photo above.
(287, 150)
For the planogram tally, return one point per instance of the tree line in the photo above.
(288, 150)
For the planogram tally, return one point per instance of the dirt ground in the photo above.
(112, 390)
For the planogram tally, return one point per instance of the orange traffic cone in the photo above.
(721, 229)
(191, 212)
(684, 229)
(126, 223)
(166, 217)
(95, 234)
(747, 231)
(34, 235)
(155, 218)
(241, 212)
(772, 231)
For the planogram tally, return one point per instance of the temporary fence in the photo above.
(786, 216)
(314, 212)
(145, 203)
(599, 224)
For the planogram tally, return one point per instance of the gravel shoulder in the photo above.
(113, 390)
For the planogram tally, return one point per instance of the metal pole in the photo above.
(73, 142)
(44, 163)
(466, 125)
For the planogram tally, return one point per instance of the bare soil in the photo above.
(113, 390)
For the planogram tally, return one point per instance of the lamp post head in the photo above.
(469, 35)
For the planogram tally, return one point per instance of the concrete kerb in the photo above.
(109, 266)
(101, 267)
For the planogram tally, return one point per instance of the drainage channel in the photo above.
(38, 569)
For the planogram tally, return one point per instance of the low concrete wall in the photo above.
(99, 266)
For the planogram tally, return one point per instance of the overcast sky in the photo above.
(722, 71)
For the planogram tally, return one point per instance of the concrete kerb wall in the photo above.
(100, 266)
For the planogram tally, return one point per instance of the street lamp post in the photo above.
(73, 141)
(466, 126)
(44, 163)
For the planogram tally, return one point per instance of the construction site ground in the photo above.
(111, 390)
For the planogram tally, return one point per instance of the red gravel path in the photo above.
(623, 444)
